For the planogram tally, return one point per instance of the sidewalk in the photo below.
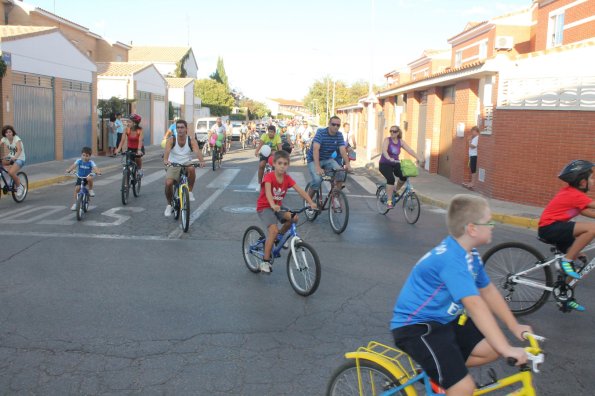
(436, 190)
(432, 189)
(52, 172)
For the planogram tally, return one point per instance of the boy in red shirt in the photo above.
(273, 189)
(555, 226)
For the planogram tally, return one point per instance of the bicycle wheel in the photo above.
(252, 242)
(411, 208)
(507, 259)
(214, 158)
(311, 215)
(381, 199)
(185, 208)
(375, 380)
(125, 185)
(25, 183)
(304, 271)
(85, 203)
(79, 207)
(338, 212)
(137, 183)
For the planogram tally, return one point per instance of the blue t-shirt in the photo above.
(328, 144)
(437, 283)
(84, 168)
(173, 129)
(119, 126)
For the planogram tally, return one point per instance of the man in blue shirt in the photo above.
(320, 156)
(119, 127)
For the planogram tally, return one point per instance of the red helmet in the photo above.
(135, 118)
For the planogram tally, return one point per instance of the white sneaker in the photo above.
(265, 267)
(20, 190)
(191, 197)
(73, 207)
(91, 193)
(168, 211)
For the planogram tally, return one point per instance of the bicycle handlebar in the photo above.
(534, 352)
(193, 163)
(135, 155)
(294, 211)
(82, 177)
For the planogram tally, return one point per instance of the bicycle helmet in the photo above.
(575, 172)
(135, 118)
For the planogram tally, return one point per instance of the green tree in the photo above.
(255, 109)
(214, 95)
(220, 75)
(112, 106)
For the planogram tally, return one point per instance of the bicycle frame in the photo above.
(331, 180)
(401, 366)
(518, 277)
(276, 252)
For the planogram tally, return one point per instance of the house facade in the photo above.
(286, 107)
(523, 79)
(142, 84)
(51, 105)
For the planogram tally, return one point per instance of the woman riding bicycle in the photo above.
(133, 138)
(15, 160)
(390, 165)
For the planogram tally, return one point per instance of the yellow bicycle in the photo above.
(380, 370)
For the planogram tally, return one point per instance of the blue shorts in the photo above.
(328, 164)
(20, 163)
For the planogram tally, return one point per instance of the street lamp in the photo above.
(371, 100)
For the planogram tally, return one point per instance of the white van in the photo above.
(203, 126)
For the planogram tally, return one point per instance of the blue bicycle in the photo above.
(82, 198)
(303, 264)
(411, 204)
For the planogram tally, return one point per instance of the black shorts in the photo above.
(263, 158)
(133, 150)
(441, 350)
(559, 234)
(389, 171)
(80, 181)
(473, 164)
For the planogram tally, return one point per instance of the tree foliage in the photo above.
(112, 106)
(321, 90)
(220, 75)
(214, 95)
(255, 109)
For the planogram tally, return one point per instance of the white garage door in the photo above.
(159, 122)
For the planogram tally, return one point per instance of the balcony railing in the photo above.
(548, 93)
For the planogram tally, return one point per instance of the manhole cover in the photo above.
(239, 209)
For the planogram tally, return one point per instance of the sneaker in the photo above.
(192, 199)
(567, 266)
(20, 190)
(266, 267)
(168, 211)
(73, 207)
(573, 305)
(140, 173)
(91, 193)
(389, 204)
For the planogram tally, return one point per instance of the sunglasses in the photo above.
(394, 131)
(335, 125)
(488, 224)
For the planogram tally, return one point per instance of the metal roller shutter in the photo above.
(77, 117)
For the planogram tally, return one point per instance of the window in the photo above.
(458, 58)
(483, 50)
(556, 30)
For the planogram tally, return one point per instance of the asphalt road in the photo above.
(125, 303)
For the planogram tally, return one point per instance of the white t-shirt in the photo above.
(305, 132)
(180, 155)
(12, 147)
(473, 151)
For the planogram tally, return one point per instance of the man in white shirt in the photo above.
(473, 143)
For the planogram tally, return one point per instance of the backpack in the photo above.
(173, 143)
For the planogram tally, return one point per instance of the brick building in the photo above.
(522, 78)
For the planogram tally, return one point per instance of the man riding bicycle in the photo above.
(178, 149)
(217, 136)
(320, 156)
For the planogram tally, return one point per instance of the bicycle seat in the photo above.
(554, 248)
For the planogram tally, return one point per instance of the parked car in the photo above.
(203, 126)
(235, 130)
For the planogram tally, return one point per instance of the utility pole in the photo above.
(327, 98)
(334, 91)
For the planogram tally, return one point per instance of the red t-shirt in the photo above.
(568, 203)
(278, 189)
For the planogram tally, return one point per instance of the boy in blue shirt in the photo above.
(84, 166)
(443, 283)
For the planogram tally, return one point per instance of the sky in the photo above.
(279, 48)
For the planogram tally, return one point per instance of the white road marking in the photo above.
(178, 232)
(89, 236)
(224, 179)
(365, 183)
(253, 185)
(45, 212)
(119, 218)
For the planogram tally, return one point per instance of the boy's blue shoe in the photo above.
(573, 305)
(567, 267)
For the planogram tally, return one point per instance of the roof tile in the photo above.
(119, 69)
(157, 54)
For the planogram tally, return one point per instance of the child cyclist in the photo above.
(447, 280)
(84, 166)
(555, 226)
(274, 187)
(271, 139)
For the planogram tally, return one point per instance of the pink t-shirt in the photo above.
(278, 189)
